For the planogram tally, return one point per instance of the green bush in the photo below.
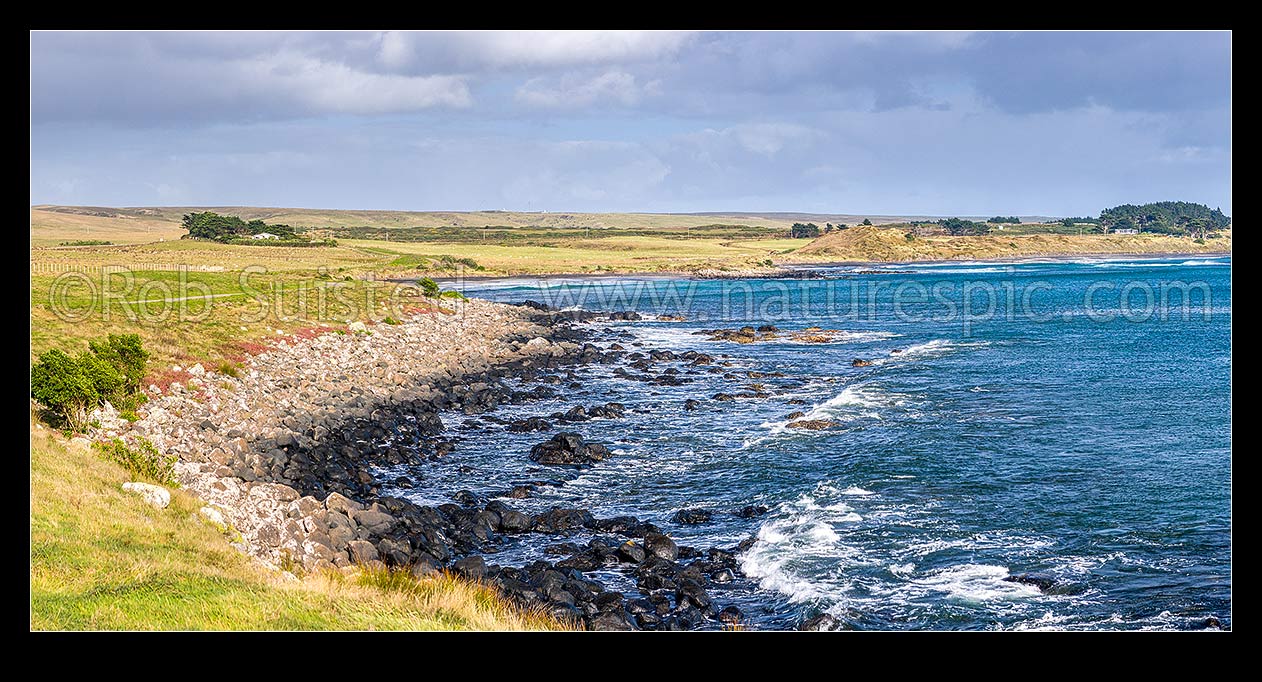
(428, 287)
(143, 461)
(125, 353)
(452, 293)
(71, 387)
(390, 320)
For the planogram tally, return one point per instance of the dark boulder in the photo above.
(557, 521)
(518, 492)
(631, 551)
(531, 424)
(691, 404)
(611, 621)
(661, 546)
(750, 511)
(513, 521)
(568, 448)
(472, 567)
(1039, 580)
(731, 615)
(812, 424)
(860, 362)
(607, 411)
(821, 623)
(691, 517)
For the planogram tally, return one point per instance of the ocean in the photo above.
(1067, 418)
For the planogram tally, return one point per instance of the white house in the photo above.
(1126, 231)
(265, 235)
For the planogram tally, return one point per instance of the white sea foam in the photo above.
(977, 583)
(857, 491)
(807, 533)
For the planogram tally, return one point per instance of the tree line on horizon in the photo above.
(231, 229)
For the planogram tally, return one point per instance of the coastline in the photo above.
(284, 455)
(790, 267)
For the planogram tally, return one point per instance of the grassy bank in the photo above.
(893, 245)
(103, 559)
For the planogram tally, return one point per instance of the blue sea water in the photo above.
(1070, 418)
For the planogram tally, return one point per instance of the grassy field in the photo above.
(103, 559)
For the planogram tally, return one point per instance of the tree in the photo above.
(210, 225)
(804, 231)
(957, 227)
(1167, 217)
(867, 222)
(1011, 220)
(70, 387)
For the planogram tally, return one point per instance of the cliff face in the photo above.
(870, 243)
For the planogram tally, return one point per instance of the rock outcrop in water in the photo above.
(569, 448)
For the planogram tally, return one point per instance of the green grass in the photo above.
(103, 559)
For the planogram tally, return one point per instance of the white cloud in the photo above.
(471, 50)
(572, 90)
(767, 139)
(337, 88)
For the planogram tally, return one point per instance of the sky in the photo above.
(879, 123)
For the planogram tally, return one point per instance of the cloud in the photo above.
(141, 79)
(321, 86)
(479, 50)
(573, 90)
(867, 122)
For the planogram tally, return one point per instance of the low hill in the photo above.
(866, 243)
(323, 218)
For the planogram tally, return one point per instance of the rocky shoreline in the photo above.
(285, 454)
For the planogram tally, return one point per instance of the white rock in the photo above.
(358, 327)
(197, 370)
(155, 495)
(214, 516)
(176, 368)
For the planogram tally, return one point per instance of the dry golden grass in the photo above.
(50, 228)
(891, 244)
(102, 559)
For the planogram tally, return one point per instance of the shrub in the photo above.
(390, 320)
(143, 460)
(428, 287)
(452, 293)
(70, 387)
(228, 369)
(125, 354)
